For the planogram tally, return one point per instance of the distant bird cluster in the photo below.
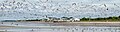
(35, 9)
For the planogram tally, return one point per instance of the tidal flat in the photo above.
(59, 27)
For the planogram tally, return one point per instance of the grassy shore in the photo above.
(107, 19)
(101, 21)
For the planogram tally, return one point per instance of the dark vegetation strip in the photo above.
(102, 19)
(87, 19)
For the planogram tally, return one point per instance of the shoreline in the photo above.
(86, 24)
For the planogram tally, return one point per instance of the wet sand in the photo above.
(60, 27)
(104, 24)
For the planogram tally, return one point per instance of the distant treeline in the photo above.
(85, 19)
(99, 19)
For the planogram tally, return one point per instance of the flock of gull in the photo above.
(36, 9)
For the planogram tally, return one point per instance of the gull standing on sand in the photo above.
(16, 24)
(32, 30)
(11, 23)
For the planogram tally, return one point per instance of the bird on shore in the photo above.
(73, 31)
(73, 3)
(32, 30)
(16, 24)
(103, 5)
(76, 29)
(43, 1)
(116, 5)
(11, 23)
(24, 0)
(82, 30)
(5, 30)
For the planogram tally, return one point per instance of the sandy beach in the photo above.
(61, 27)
